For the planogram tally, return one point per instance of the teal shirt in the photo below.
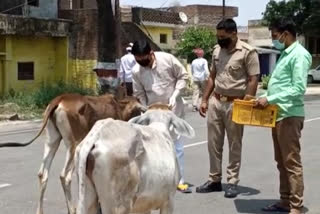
(288, 81)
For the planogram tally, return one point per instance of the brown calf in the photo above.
(70, 117)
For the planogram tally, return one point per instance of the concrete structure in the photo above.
(159, 25)
(243, 33)
(164, 22)
(30, 8)
(312, 43)
(202, 15)
(259, 36)
(32, 52)
(83, 50)
(205, 15)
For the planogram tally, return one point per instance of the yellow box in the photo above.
(245, 113)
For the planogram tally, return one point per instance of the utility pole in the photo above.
(223, 9)
(118, 29)
(106, 68)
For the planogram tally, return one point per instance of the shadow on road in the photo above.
(244, 191)
(254, 206)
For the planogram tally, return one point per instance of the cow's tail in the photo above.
(82, 153)
(50, 109)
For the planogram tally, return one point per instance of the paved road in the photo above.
(259, 178)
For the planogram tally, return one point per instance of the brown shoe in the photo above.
(296, 211)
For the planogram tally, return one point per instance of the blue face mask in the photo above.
(278, 45)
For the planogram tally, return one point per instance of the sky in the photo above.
(248, 9)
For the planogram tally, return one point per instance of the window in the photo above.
(25, 71)
(81, 4)
(34, 3)
(163, 38)
(313, 45)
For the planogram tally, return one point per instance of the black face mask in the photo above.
(224, 43)
(144, 62)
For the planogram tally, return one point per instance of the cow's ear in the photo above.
(181, 127)
(142, 120)
(142, 108)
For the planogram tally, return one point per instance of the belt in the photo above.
(224, 98)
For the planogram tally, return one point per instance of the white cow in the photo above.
(130, 168)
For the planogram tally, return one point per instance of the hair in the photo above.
(141, 47)
(284, 24)
(229, 25)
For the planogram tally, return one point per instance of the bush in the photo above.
(46, 93)
(265, 80)
(31, 105)
(196, 37)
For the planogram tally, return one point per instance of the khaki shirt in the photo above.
(157, 84)
(233, 68)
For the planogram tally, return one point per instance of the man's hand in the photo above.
(203, 108)
(261, 102)
(173, 98)
(172, 101)
(249, 97)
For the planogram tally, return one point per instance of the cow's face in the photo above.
(130, 107)
(168, 118)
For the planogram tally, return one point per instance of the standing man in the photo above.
(234, 75)
(160, 77)
(286, 89)
(125, 73)
(200, 72)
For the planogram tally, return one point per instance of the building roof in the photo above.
(267, 50)
(131, 32)
(155, 15)
(27, 26)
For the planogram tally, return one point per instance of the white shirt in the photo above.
(127, 63)
(157, 84)
(199, 69)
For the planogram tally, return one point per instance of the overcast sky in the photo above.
(248, 9)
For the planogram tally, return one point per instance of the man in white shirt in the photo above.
(160, 77)
(125, 74)
(200, 72)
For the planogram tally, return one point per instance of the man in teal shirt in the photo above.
(286, 89)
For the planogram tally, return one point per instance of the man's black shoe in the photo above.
(209, 186)
(231, 191)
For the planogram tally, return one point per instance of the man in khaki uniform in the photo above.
(234, 75)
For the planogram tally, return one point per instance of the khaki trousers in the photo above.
(286, 139)
(219, 122)
(198, 89)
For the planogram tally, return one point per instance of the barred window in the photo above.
(34, 3)
(163, 38)
(25, 71)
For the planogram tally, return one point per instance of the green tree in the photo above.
(312, 22)
(305, 13)
(196, 37)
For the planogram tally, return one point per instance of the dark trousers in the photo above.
(129, 88)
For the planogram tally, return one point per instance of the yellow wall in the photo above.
(50, 57)
(2, 57)
(81, 72)
(1, 79)
(155, 34)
